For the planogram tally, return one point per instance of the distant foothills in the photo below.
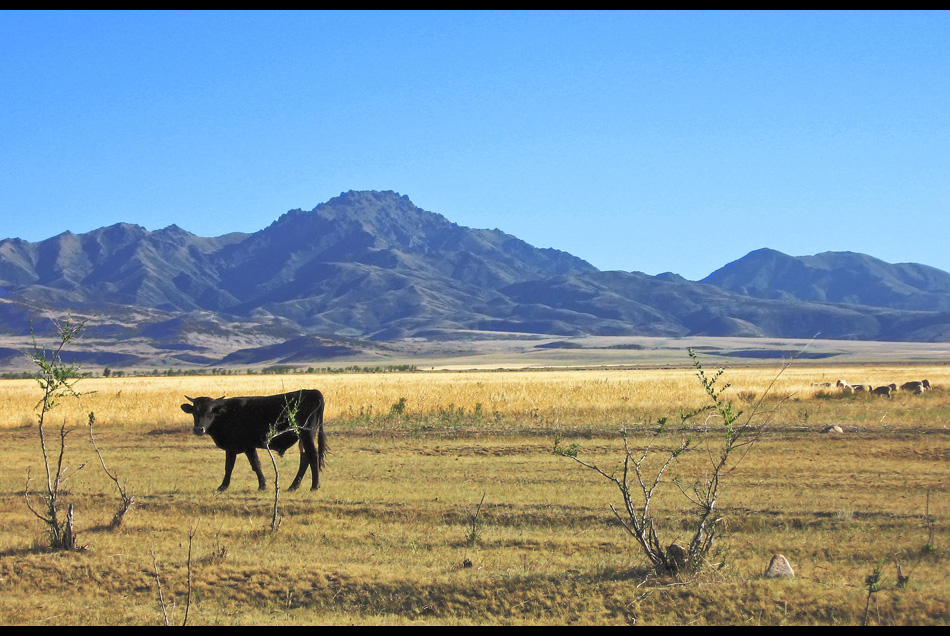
(374, 267)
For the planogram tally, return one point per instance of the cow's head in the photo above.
(204, 410)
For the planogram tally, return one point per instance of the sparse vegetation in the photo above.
(288, 416)
(127, 499)
(474, 526)
(386, 539)
(56, 380)
(874, 582)
(638, 480)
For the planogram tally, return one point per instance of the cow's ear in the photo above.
(188, 408)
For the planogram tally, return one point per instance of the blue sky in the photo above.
(670, 141)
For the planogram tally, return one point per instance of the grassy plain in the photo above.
(397, 534)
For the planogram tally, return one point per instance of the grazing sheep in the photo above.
(861, 388)
(926, 384)
(883, 390)
(916, 387)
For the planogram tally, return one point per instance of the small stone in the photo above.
(779, 568)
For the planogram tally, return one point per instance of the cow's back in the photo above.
(248, 420)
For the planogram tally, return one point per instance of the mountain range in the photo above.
(373, 266)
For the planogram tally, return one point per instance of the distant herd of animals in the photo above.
(916, 387)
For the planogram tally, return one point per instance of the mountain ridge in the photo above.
(372, 265)
(836, 277)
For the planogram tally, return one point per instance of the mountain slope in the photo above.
(373, 265)
(121, 264)
(836, 277)
(623, 303)
(363, 263)
(379, 231)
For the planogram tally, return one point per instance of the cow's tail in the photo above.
(322, 448)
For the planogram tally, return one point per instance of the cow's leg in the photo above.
(300, 471)
(228, 467)
(305, 436)
(256, 465)
(308, 457)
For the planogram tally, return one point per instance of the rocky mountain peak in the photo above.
(372, 263)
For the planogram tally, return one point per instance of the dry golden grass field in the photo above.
(443, 504)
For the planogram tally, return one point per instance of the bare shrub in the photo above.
(125, 495)
(57, 381)
(723, 435)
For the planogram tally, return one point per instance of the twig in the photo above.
(158, 579)
(191, 536)
(127, 499)
(473, 535)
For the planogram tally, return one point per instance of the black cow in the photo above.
(243, 424)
